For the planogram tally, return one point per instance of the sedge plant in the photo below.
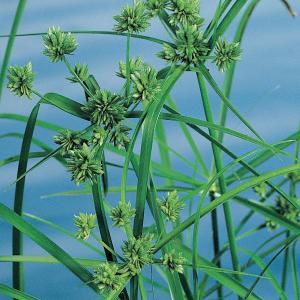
(174, 202)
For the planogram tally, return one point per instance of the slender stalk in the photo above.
(10, 43)
(221, 181)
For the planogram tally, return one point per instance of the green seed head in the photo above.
(119, 136)
(20, 80)
(83, 166)
(122, 214)
(106, 277)
(155, 7)
(145, 84)
(69, 140)
(190, 46)
(82, 73)
(99, 135)
(105, 109)
(172, 206)
(137, 253)
(58, 44)
(260, 189)
(85, 223)
(173, 261)
(185, 12)
(135, 64)
(132, 19)
(225, 54)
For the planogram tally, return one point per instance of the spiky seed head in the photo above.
(20, 80)
(190, 46)
(135, 64)
(137, 252)
(120, 136)
(58, 44)
(83, 166)
(171, 206)
(122, 214)
(82, 73)
(85, 223)
(105, 109)
(99, 135)
(69, 140)
(173, 261)
(260, 189)
(106, 277)
(155, 7)
(225, 54)
(145, 84)
(185, 12)
(132, 19)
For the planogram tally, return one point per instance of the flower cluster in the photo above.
(98, 136)
(106, 277)
(69, 141)
(133, 19)
(185, 12)
(155, 7)
(122, 214)
(20, 80)
(173, 261)
(82, 73)
(226, 53)
(285, 209)
(137, 252)
(85, 224)
(105, 109)
(190, 46)
(146, 85)
(171, 206)
(58, 44)
(83, 166)
(260, 189)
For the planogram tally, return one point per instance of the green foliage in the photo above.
(20, 80)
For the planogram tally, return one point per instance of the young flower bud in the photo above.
(225, 54)
(173, 261)
(106, 277)
(172, 206)
(58, 44)
(99, 135)
(132, 19)
(82, 72)
(105, 109)
(83, 166)
(145, 84)
(20, 80)
(69, 140)
(260, 189)
(185, 12)
(85, 223)
(137, 253)
(122, 214)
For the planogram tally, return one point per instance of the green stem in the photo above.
(10, 43)
(128, 67)
(222, 183)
